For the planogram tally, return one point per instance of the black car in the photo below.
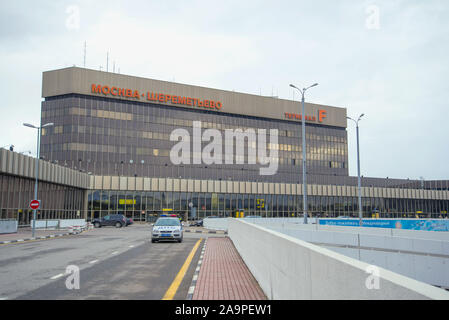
(129, 221)
(116, 220)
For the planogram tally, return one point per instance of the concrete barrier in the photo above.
(58, 224)
(421, 255)
(216, 223)
(293, 222)
(222, 223)
(77, 229)
(290, 268)
(71, 223)
(8, 226)
(45, 224)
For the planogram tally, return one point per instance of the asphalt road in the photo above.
(113, 263)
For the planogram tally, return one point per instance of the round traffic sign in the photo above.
(34, 204)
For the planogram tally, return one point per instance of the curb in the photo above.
(210, 231)
(196, 274)
(73, 232)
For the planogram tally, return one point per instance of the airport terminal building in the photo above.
(148, 146)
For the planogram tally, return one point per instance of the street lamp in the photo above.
(358, 168)
(37, 165)
(304, 181)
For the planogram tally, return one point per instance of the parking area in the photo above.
(114, 263)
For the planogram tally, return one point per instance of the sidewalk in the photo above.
(25, 234)
(223, 274)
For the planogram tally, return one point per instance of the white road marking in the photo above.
(3, 298)
(93, 261)
(195, 277)
(131, 246)
(191, 290)
(115, 252)
(57, 276)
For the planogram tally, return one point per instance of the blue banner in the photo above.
(408, 224)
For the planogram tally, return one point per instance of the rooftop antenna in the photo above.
(107, 61)
(84, 60)
(113, 68)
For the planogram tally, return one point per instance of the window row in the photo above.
(58, 112)
(337, 149)
(263, 205)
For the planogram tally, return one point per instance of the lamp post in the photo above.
(37, 165)
(358, 168)
(304, 180)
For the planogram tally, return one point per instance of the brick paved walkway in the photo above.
(224, 276)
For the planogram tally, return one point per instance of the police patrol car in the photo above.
(167, 228)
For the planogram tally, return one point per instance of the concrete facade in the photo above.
(217, 186)
(80, 80)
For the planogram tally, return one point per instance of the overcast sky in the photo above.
(387, 59)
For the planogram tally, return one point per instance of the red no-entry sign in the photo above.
(34, 204)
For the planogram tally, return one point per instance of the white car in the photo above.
(167, 228)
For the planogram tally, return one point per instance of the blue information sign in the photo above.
(408, 224)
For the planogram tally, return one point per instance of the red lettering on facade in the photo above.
(321, 115)
(152, 96)
(105, 90)
(182, 100)
(96, 89)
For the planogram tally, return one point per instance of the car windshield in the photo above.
(167, 222)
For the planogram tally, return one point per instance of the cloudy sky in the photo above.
(387, 59)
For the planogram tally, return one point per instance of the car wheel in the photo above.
(153, 241)
(118, 225)
(180, 240)
(97, 225)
